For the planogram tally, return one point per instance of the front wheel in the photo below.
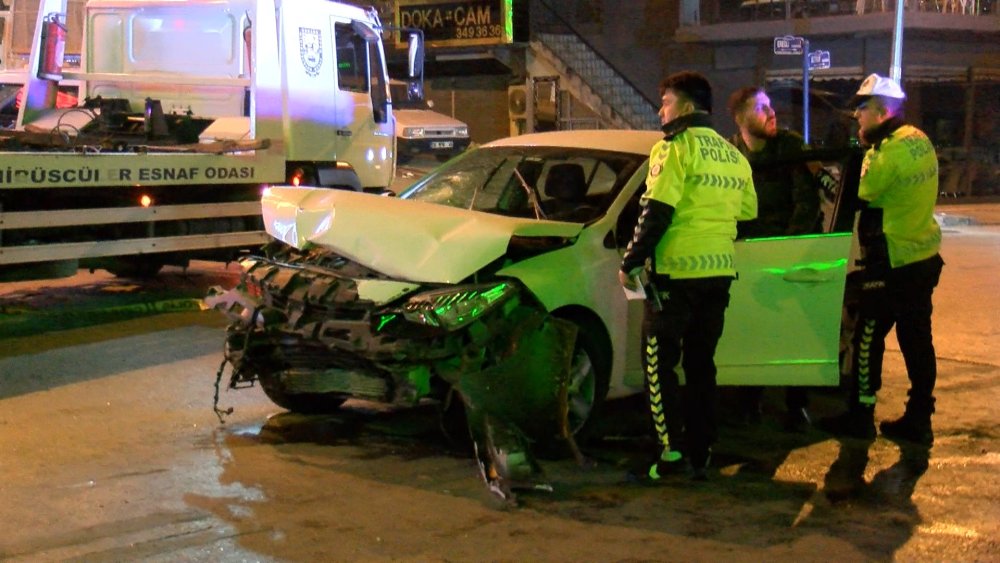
(304, 403)
(589, 377)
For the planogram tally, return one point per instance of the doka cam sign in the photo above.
(457, 24)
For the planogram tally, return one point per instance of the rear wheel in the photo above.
(305, 403)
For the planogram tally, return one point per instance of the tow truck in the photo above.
(188, 112)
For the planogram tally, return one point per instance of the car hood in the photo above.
(403, 239)
(424, 118)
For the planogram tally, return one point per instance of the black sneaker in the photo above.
(855, 423)
(658, 470)
(910, 429)
(699, 466)
(663, 468)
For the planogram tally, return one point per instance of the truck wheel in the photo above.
(304, 403)
(135, 267)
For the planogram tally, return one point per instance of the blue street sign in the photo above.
(789, 45)
(819, 59)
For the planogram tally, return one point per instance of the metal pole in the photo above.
(805, 91)
(896, 65)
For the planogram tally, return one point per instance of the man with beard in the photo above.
(788, 204)
(697, 188)
(787, 195)
(900, 241)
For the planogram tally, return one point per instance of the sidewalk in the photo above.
(955, 214)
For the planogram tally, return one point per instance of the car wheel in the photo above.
(305, 403)
(589, 376)
(453, 421)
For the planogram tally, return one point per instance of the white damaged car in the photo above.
(494, 280)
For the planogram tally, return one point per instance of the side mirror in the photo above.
(415, 54)
(415, 64)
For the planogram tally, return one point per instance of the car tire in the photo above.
(453, 421)
(304, 403)
(590, 376)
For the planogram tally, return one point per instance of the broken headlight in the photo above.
(456, 307)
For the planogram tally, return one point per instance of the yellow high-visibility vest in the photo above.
(900, 176)
(710, 186)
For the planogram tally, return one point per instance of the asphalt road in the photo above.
(110, 451)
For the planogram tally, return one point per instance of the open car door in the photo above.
(784, 321)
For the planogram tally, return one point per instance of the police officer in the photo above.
(788, 204)
(900, 241)
(697, 187)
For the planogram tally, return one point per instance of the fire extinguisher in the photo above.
(53, 48)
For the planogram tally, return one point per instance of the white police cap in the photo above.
(876, 85)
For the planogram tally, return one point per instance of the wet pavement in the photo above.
(110, 451)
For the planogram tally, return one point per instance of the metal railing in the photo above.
(755, 10)
(563, 25)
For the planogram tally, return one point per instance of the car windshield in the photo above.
(558, 183)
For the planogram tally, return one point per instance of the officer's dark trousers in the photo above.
(905, 301)
(688, 326)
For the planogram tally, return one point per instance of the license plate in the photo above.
(442, 144)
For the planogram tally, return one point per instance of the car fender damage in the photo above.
(524, 394)
(301, 328)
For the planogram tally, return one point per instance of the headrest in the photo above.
(566, 182)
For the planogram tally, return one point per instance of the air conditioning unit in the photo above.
(518, 102)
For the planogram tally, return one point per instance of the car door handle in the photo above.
(808, 275)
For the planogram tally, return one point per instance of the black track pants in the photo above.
(685, 331)
(905, 302)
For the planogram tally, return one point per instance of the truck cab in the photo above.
(188, 112)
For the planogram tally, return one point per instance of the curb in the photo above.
(950, 220)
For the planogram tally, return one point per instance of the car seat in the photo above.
(566, 185)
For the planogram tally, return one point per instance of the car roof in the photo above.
(618, 140)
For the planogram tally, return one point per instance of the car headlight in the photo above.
(456, 307)
(413, 132)
(462, 131)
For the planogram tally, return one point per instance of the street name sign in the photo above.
(819, 59)
(789, 45)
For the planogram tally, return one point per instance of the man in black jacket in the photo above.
(788, 204)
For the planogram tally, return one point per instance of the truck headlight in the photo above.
(462, 131)
(456, 307)
(413, 132)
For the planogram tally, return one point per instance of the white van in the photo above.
(419, 130)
